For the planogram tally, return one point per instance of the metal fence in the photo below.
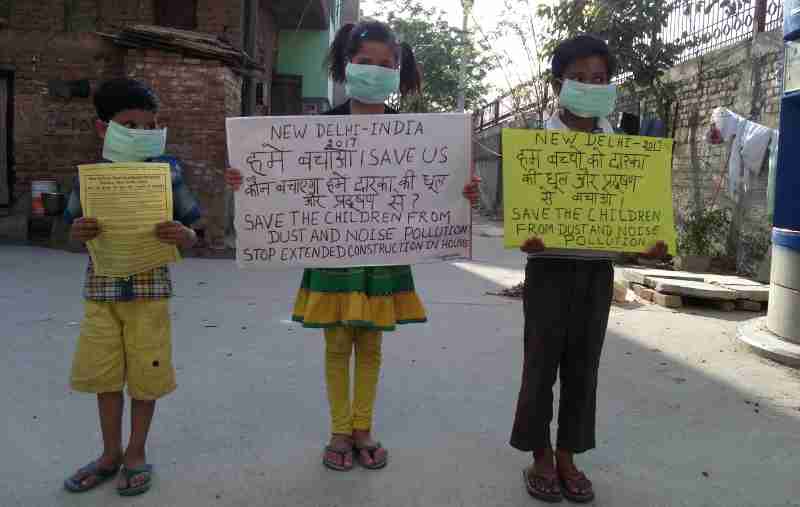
(722, 26)
(712, 30)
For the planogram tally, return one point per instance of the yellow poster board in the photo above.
(128, 200)
(581, 191)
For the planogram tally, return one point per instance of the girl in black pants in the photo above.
(567, 299)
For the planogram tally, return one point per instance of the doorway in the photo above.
(6, 138)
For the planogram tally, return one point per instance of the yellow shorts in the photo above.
(125, 342)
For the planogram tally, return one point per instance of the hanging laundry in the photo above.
(753, 142)
(750, 143)
(727, 122)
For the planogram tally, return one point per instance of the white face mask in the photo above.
(588, 100)
(371, 84)
(122, 144)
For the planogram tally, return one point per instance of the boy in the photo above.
(566, 302)
(125, 334)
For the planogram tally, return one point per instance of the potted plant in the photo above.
(701, 236)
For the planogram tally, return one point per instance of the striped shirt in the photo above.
(153, 284)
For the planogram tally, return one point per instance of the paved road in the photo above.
(677, 399)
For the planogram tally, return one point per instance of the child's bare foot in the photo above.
(339, 453)
(371, 454)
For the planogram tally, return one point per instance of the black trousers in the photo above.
(566, 305)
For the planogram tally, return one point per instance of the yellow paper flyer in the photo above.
(128, 200)
(582, 191)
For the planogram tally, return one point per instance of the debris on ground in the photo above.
(511, 292)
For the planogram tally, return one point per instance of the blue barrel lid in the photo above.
(786, 238)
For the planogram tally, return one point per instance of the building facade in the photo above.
(300, 66)
(54, 53)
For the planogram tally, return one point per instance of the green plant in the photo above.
(753, 249)
(439, 49)
(703, 231)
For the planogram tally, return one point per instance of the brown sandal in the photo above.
(372, 451)
(343, 454)
(577, 487)
(541, 487)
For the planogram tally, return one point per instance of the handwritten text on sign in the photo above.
(337, 191)
(587, 191)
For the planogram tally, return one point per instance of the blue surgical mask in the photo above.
(370, 84)
(122, 144)
(588, 100)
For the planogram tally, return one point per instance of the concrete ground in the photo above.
(687, 416)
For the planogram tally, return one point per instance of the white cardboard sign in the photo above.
(360, 190)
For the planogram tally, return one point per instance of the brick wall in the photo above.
(48, 15)
(220, 16)
(196, 96)
(115, 13)
(213, 16)
(52, 135)
(43, 16)
(746, 78)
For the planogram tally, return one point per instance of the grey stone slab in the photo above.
(690, 288)
(637, 275)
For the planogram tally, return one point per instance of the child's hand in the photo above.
(657, 251)
(85, 229)
(233, 178)
(532, 245)
(175, 233)
(472, 190)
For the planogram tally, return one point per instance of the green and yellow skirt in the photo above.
(367, 297)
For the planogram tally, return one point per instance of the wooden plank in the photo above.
(189, 43)
(689, 288)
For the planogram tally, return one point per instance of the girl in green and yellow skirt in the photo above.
(355, 306)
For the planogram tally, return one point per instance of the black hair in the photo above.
(348, 42)
(117, 95)
(582, 46)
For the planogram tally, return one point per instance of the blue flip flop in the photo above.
(129, 474)
(91, 470)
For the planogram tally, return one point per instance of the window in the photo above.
(260, 94)
(5, 12)
(80, 15)
(177, 14)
